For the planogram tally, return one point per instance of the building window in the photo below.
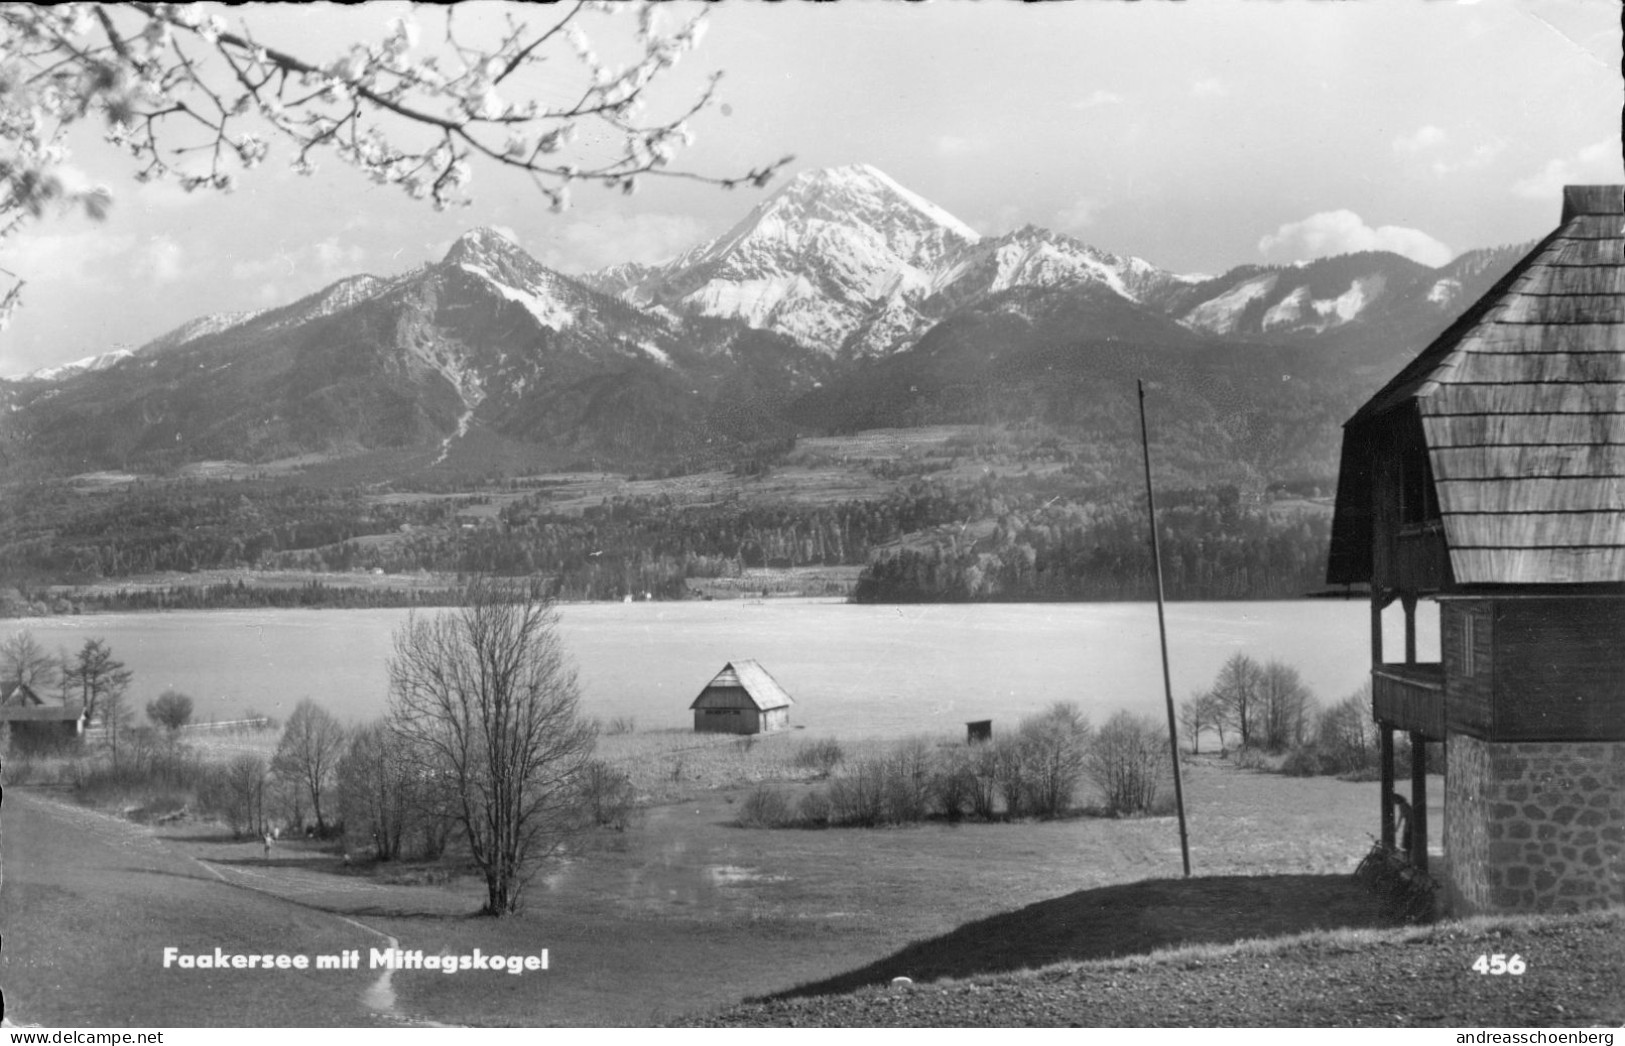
(1418, 501)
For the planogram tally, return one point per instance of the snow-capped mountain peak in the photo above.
(824, 257)
(492, 255)
(484, 243)
(84, 366)
(846, 260)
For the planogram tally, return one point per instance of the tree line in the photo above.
(1008, 537)
(1267, 708)
(1213, 548)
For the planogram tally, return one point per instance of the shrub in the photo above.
(1406, 891)
(260, 722)
(171, 710)
(1305, 761)
(607, 795)
(813, 811)
(621, 724)
(144, 769)
(1129, 762)
(236, 794)
(17, 768)
(858, 795)
(1252, 758)
(1346, 735)
(1010, 768)
(764, 807)
(953, 783)
(982, 778)
(908, 772)
(820, 756)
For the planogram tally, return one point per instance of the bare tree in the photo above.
(236, 792)
(24, 661)
(486, 695)
(312, 742)
(193, 96)
(384, 796)
(1054, 746)
(1237, 690)
(116, 715)
(1284, 706)
(1129, 761)
(1196, 715)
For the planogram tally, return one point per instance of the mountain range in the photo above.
(841, 301)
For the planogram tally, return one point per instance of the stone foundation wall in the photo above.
(1534, 826)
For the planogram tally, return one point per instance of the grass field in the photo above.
(677, 916)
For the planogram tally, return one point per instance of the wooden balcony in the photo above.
(1409, 697)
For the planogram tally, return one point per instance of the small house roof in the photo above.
(16, 694)
(20, 704)
(1522, 408)
(763, 690)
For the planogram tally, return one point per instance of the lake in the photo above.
(878, 670)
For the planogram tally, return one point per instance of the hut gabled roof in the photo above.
(1522, 406)
(14, 693)
(764, 691)
(20, 704)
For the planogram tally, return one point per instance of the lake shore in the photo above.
(853, 670)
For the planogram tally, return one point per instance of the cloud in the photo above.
(588, 243)
(1424, 137)
(1098, 98)
(62, 257)
(1079, 216)
(1209, 87)
(1002, 219)
(1343, 232)
(321, 262)
(954, 145)
(163, 259)
(1481, 156)
(1597, 163)
(160, 194)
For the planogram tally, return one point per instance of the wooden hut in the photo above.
(1489, 475)
(742, 699)
(31, 721)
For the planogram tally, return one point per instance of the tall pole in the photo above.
(1162, 635)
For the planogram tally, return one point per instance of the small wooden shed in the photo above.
(741, 699)
(1489, 476)
(31, 721)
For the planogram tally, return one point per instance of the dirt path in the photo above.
(89, 902)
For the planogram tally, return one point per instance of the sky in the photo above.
(1198, 136)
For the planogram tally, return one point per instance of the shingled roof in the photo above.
(1522, 406)
(763, 689)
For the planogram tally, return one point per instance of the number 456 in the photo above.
(1495, 965)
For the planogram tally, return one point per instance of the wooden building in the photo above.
(742, 699)
(31, 721)
(1489, 475)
